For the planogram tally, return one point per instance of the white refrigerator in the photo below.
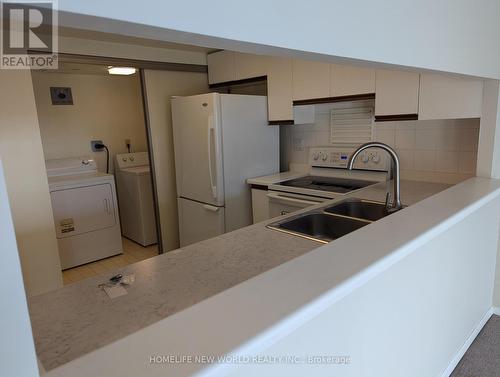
(220, 140)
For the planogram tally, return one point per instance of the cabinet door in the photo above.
(279, 90)
(310, 80)
(396, 92)
(260, 205)
(347, 80)
(221, 67)
(249, 65)
(448, 97)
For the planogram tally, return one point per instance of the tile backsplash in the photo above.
(432, 150)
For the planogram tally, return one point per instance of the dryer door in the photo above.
(83, 209)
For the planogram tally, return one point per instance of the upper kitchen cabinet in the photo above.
(449, 97)
(227, 66)
(249, 66)
(221, 67)
(396, 94)
(279, 90)
(347, 80)
(311, 80)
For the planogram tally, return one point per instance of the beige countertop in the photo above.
(79, 318)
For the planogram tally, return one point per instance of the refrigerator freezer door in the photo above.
(198, 221)
(197, 146)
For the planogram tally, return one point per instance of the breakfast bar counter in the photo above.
(80, 318)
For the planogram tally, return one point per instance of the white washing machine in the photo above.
(85, 211)
(135, 197)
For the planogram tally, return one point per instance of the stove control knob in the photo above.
(324, 156)
(376, 158)
(315, 156)
(365, 158)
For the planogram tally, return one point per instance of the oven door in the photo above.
(281, 203)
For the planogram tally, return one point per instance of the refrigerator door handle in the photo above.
(208, 207)
(210, 131)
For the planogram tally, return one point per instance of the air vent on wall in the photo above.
(351, 126)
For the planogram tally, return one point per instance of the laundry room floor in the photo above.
(132, 252)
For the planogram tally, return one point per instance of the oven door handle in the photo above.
(289, 199)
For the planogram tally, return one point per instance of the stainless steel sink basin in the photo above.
(360, 209)
(318, 226)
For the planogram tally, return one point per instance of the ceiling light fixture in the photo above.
(121, 70)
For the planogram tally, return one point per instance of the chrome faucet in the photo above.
(396, 203)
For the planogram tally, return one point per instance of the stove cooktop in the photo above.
(331, 184)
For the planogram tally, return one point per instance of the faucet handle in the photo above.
(387, 200)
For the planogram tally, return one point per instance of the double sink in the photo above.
(329, 223)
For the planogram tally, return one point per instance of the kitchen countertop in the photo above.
(79, 318)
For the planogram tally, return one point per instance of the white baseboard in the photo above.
(453, 363)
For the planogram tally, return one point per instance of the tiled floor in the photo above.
(132, 252)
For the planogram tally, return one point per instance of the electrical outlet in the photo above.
(298, 144)
(93, 143)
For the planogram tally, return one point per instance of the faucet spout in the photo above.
(396, 203)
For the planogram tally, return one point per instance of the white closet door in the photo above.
(83, 209)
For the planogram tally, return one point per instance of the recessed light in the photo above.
(121, 70)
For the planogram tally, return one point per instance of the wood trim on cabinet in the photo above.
(388, 118)
(284, 122)
(238, 82)
(354, 97)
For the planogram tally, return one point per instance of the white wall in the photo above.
(453, 35)
(22, 155)
(160, 86)
(105, 107)
(17, 358)
(496, 289)
(435, 151)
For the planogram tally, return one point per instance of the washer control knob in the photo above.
(131, 158)
(124, 159)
